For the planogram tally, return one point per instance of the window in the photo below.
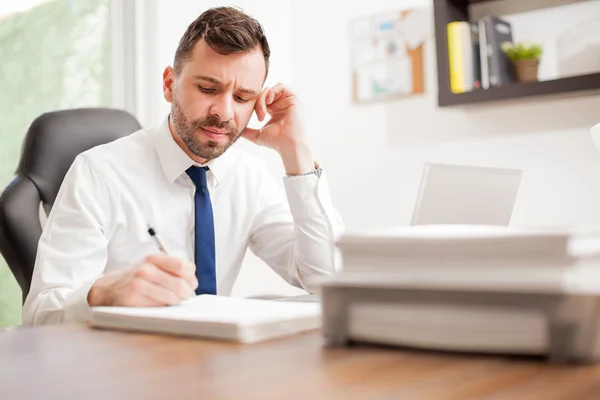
(56, 54)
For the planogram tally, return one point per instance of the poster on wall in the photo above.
(386, 54)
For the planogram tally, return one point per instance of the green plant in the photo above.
(522, 51)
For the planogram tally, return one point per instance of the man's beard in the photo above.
(188, 131)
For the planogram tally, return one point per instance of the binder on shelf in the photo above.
(496, 67)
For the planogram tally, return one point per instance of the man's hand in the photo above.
(283, 132)
(158, 280)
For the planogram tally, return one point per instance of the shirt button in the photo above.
(306, 197)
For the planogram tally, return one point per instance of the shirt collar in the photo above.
(174, 161)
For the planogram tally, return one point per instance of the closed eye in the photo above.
(205, 89)
(240, 99)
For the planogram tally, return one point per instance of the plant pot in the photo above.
(526, 70)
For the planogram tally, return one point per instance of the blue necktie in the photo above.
(204, 230)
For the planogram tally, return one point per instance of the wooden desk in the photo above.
(75, 362)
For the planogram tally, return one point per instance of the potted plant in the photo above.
(525, 58)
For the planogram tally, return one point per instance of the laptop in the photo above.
(466, 195)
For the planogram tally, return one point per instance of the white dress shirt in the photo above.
(99, 221)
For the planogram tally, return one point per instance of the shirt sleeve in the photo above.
(72, 250)
(297, 238)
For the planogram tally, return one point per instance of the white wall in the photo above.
(374, 153)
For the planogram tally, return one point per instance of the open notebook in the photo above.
(215, 317)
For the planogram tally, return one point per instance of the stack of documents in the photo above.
(468, 288)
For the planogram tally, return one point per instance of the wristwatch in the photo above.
(317, 171)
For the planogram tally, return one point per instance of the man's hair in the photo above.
(226, 30)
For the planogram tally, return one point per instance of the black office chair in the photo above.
(52, 142)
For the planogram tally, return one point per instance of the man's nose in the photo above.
(222, 107)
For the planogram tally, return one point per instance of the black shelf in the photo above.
(581, 84)
(473, 1)
(446, 11)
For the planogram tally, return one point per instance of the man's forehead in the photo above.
(245, 69)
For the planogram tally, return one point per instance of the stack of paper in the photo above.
(450, 327)
(489, 256)
(468, 288)
(215, 317)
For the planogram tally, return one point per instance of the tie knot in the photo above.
(198, 175)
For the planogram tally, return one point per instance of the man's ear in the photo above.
(168, 83)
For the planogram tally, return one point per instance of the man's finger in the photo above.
(275, 93)
(181, 287)
(173, 265)
(282, 104)
(261, 104)
(147, 294)
(139, 300)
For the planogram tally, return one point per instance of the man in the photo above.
(205, 204)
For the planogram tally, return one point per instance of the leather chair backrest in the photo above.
(50, 146)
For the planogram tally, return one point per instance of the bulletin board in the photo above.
(387, 54)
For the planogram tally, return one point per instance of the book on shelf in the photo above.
(475, 56)
(460, 57)
(495, 62)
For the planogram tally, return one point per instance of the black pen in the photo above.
(158, 242)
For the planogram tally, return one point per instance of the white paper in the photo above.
(364, 83)
(417, 26)
(385, 78)
(363, 54)
(221, 309)
(400, 78)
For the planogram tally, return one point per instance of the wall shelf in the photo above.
(582, 84)
(446, 11)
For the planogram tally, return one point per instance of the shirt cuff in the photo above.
(77, 308)
(305, 194)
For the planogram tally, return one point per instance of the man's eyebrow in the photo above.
(210, 79)
(249, 91)
(207, 78)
